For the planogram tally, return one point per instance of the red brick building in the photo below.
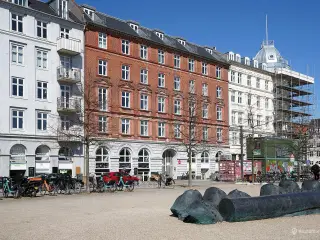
(143, 81)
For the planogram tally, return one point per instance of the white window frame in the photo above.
(191, 65)
(144, 128)
(177, 130)
(240, 118)
(205, 111)
(192, 86)
(43, 27)
(205, 133)
(125, 126)
(42, 59)
(125, 47)
(18, 117)
(177, 107)
(17, 56)
(233, 76)
(176, 83)
(219, 92)
(249, 81)
(234, 138)
(219, 113)
(103, 96)
(266, 103)
(64, 32)
(43, 118)
(144, 102)
(144, 52)
(161, 80)
(15, 21)
(233, 96)
(161, 104)
(176, 61)
(161, 56)
(43, 90)
(160, 35)
(258, 83)
(144, 76)
(103, 65)
(103, 128)
(239, 78)
(125, 99)
(125, 72)
(219, 134)
(204, 68)
(218, 72)
(233, 118)
(65, 123)
(102, 40)
(249, 99)
(205, 89)
(239, 97)
(161, 129)
(266, 85)
(134, 27)
(267, 121)
(258, 101)
(17, 85)
(259, 120)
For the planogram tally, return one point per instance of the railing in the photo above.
(69, 74)
(69, 45)
(68, 104)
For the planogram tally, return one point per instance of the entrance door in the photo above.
(65, 96)
(168, 162)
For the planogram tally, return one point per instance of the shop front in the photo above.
(65, 161)
(18, 162)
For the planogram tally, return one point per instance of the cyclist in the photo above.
(315, 169)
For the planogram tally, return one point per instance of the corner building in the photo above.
(142, 79)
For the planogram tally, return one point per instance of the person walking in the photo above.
(315, 169)
(159, 180)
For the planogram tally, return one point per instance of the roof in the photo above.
(42, 7)
(121, 26)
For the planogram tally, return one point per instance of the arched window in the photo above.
(43, 153)
(205, 157)
(65, 154)
(143, 163)
(125, 158)
(102, 160)
(18, 153)
(143, 155)
(218, 155)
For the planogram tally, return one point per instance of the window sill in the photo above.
(146, 111)
(103, 76)
(41, 100)
(126, 108)
(177, 114)
(144, 136)
(161, 112)
(43, 69)
(126, 134)
(126, 80)
(18, 64)
(163, 138)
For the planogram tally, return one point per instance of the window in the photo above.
(247, 61)
(258, 83)
(125, 126)
(161, 104)
(219, 113)
(176, 83)
(102, 67)
(219, 134)
(64, 9)
(17, 54)
(134, 27)
(177, 130)
(233, 118)
(144, 128)
(182, 42)
(205, 89)
(125, 100)
(144, 102)
(191, 86)
(17, 87)
(250, 120)
(42, 118)
(249, 99)
(143, 52)
(125, 158)
(17, 119)
(16, 22)
(233, 96)
(249, 81)
(161, 80)
(204, 68)
(64, 33)
(318, 153)
(234, 138)
(102, 40)
(176, 61)
(218, 72)
(311, 153)
(191, 65)
(192, 108)
(41, 29)
(258, 102)
(233, 76)
(102, 124)
(144, 158)
(161, 56)
(102, 155)
(177, 106)
(125, 73)
(205, 134)
(219, 92)
(205, 111)
(161, 129)
(19, 2)
(240, 97)
(209, 50)
(267, 121)
(240, 118)
(193, 156)
(103, 99)
(144, 76)
(42, 59)
(65, 123)
(239, 78)
(42, 90)
(125, 47)
(266, 103)
(258, 120)
(160, 35)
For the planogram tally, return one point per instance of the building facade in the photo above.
(142, 80)
(41, 65)
(250, 101)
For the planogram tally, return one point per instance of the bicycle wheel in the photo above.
(113, 188)
(119, 187)
(130, 187)
(77, 187)
(43, 190)
(5, 193)
(100, 187)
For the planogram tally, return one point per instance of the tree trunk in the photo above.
(86, 160)
(190, 170)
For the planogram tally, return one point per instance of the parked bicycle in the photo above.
(105, 183)
(9, 189)
(127, 186)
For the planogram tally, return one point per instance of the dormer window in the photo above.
(255, 63)
(18, 2)
(160, 35)
(264, 67)
(63, 9)
(134, 27)
(182, 42)
(231, 56)
(238, 58)
(247, 61)
(209, 50)
(89, 12)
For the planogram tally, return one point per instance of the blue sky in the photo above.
(233, 25)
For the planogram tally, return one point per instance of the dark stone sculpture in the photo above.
(288, 186)
(214, 195)
(310, 185)
(270, 189)
(237, 194)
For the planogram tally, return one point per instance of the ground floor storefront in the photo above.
(144, 158)
(34, 156)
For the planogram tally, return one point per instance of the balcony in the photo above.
(68, 75)
(68, 46)
(68, 104)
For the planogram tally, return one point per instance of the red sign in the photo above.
(179, 161)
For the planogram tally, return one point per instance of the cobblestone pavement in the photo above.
(142, 214)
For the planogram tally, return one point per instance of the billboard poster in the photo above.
(279, 166)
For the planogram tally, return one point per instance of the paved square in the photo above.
(142, 214)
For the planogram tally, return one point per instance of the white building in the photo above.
(250, 101)
(41, 65)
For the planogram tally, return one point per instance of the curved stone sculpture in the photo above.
(270, 189)
(254, 208)
(310, 185)
(214, 195)
(288, 186)
(237, 194)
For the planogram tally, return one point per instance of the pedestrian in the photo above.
(159, 180)
(315, 169)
